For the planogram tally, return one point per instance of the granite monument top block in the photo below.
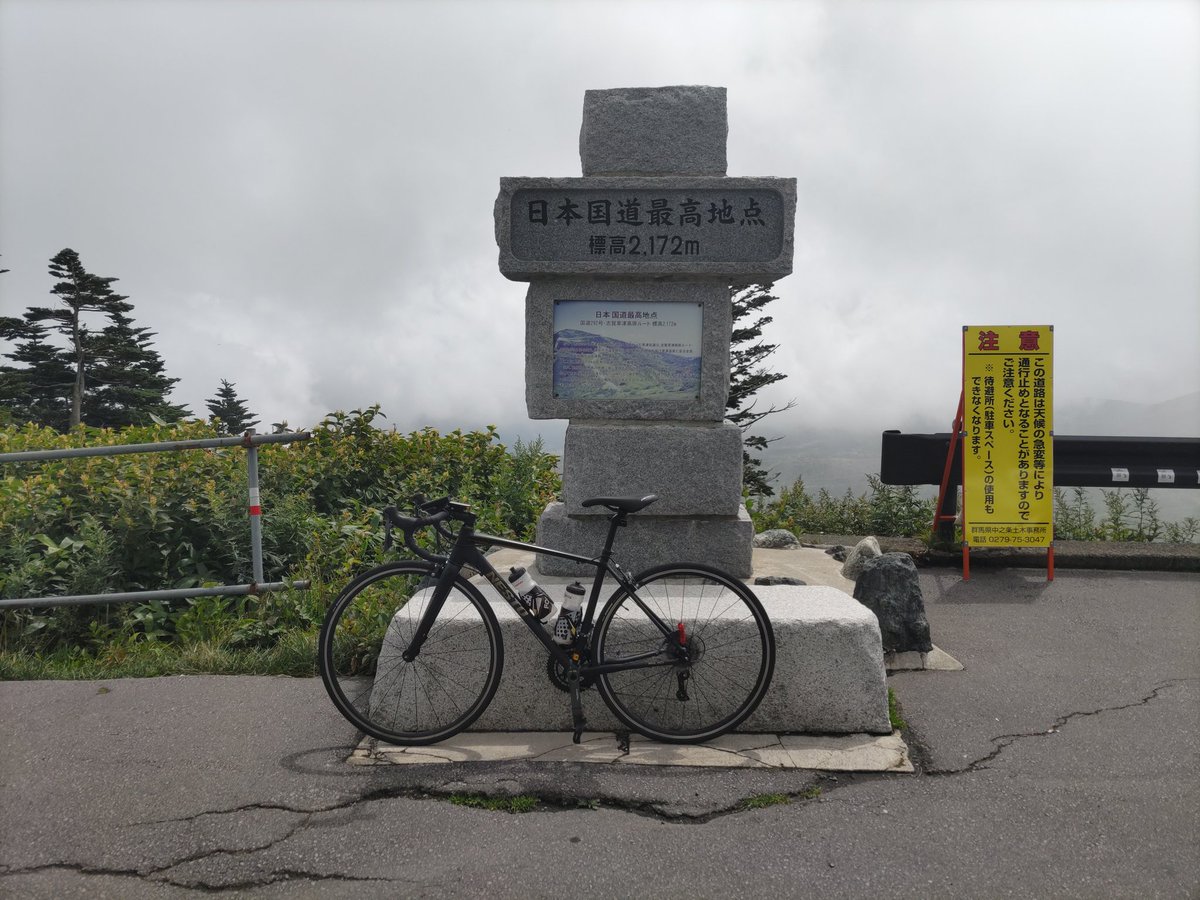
(654, 131)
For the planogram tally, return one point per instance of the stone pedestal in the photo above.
(829, 674)
(722, 541)
(694, 468)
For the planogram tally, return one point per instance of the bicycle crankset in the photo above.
(558, 676)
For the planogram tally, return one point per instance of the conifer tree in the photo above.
(128, 384)
(106, 377)
(231, 413)
(747, 376)
(37, 390)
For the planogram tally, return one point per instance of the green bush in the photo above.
(899, 511)
(1128, 516)
(159, 520)
(886, 510)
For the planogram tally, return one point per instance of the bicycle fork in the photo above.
(441, 591)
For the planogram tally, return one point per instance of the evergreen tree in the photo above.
(232, 415)
(747, 376)
(109, 377)
(38, 389)
(129, 386)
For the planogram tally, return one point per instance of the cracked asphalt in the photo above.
(1061, 763)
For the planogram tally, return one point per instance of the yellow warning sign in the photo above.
(1008, 423)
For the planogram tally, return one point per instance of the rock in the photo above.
(776, 539)
(888, 586)
(771, 580)
(838, 552)
(867, 548)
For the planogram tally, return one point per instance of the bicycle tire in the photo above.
(436, 695)
(730, 639)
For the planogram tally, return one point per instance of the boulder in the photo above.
(776, 539)
(867, 548)
(888, 586)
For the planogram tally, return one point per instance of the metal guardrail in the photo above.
(1079, 461)
(250, 441)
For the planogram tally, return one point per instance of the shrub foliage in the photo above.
(160, 520)
(886, 509)
(1128, 516)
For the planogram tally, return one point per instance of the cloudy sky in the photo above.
(297, 195)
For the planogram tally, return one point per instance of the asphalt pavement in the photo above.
(1061, 762)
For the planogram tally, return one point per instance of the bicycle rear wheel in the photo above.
(729, 661)
(418, 701)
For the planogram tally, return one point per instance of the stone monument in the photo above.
(628, 321)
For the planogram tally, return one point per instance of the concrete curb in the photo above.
(1127, 555)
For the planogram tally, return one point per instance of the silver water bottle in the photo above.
(566, 626)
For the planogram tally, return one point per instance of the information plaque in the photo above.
(625, 350)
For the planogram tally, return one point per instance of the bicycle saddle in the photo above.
(621, 504)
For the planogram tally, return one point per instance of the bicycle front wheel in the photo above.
(684, 697)
(439, 692)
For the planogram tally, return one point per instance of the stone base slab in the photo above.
(936, 660)
(722, 541)
(820, 752)
(694, 468)
(829, 675)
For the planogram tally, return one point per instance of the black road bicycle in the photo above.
(411, 652)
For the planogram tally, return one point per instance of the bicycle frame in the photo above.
(466, 554)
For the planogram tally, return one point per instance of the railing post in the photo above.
(255, 507)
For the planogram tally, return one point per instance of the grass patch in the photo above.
(294, 654)
(762, 801)
(897, 720)
(519, 804)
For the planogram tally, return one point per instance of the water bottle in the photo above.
(569, 614)
(536, 600)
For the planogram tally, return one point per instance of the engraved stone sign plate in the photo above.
(659, 227)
